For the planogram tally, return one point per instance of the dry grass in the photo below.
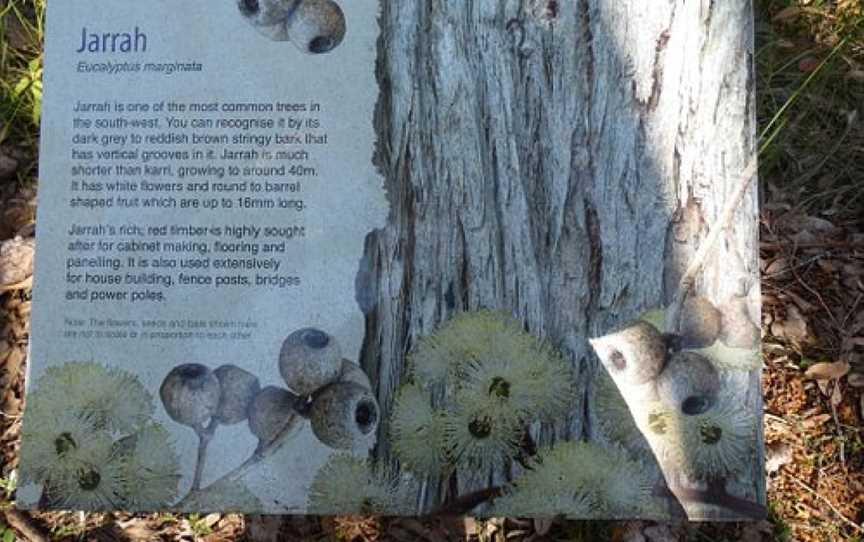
(811, 90)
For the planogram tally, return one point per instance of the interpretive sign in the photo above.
(301, 256)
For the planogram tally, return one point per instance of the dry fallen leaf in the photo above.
(836, 395)
(794, 328)
(16, 260)
(817, 420)
(778, 266)
(777, 454)
(828, 371)
(856, 380)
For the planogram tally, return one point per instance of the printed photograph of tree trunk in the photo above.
(558, 313)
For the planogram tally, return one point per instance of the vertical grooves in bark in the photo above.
(535, 166)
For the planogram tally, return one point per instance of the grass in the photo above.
(810, 73)
(198, 525)
(21, 60)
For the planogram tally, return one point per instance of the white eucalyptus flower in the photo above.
(102, 483)
(528, 385)
(152, 466)
(349, 485)
(613, 415)
(727, 358)
(477, 436)
(578, 480)
(720, 442)
(55, 444)
(471, 336)
(113, 398)
(625, 485)
(417, 431)
(537, 502)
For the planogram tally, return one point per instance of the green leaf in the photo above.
(656, 317)
(732, 359)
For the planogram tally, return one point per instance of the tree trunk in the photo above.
(558, 160)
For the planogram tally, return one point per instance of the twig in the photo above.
(852, 311)
(23, 285)
(26, 525)
(205, 435)
(261, 453)
(699, 259)
(837, 425)
(777, 419)
(833, 508)
(817, 295)
(716, 495)
(465, 503)
(792, 246)
(238, 472)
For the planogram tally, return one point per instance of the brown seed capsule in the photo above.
(635, 354)
(239, 388)
(689, 384)
(737, 329)
(272, 415)
(269, 17)
(345, 415)
(351, 372)
(190, 394)
(700, 323)
(316, 26)
(309, 360)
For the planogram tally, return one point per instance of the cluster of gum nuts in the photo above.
(684, 379)
(333, 393)
(313, 26)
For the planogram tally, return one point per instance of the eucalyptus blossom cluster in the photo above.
(91, 443)
(347, 484)
(474, 387)
(320, 387)
(678, 384)
(578, 480)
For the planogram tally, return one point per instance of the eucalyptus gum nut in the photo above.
(272, 414)
(634, 355)
(309, 360)
(269, 17)
(316, 26)
(738, 330)
(689, 384)
(700, 323)
(344, 415)
(190, 394)
(239, 388)
(351, 372)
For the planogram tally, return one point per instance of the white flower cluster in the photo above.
(687, 411)
(90, 442)
(576, 480)
(350, 485)
(478, 382)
